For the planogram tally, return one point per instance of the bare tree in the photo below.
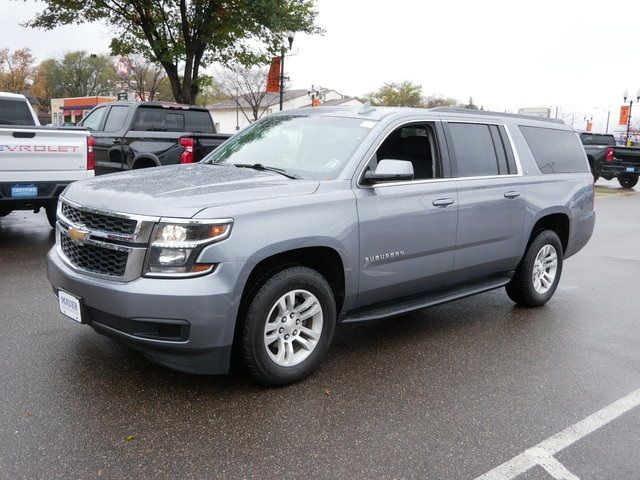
(145, 78)
(248, 89)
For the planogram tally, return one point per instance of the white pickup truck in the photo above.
(37, 163)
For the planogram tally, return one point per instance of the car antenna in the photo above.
(366, 109)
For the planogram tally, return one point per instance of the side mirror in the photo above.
(390, 171)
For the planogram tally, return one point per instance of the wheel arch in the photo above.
(325, 259)
(557, 221)
(145, 160)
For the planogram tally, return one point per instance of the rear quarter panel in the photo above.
(571, 194)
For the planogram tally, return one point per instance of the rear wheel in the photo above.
(289, 326)
(538, 274)
(628, 181)
(51, 214)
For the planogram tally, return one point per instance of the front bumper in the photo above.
(185, 324)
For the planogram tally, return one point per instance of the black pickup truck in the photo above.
(132, 135)
(608, 160)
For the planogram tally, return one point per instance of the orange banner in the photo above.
(589, 126)
(624, 115)
(273, 80)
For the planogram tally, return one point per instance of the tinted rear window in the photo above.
(15, 112)
(596, 139)
(172, 120)
(555, 151)
(474, 149)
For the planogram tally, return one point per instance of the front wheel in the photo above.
(289, 326)
(628, 181)
(538, 274)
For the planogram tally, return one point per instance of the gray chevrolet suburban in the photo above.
(317, 216)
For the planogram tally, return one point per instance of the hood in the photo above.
(183, 190)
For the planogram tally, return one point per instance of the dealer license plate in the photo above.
(20, 191)
(70, 306)
(631, 169)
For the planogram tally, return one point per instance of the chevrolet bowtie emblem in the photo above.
(77, 234)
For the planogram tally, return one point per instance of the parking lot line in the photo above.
(542, 453)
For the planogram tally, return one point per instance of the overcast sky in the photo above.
(506, 54)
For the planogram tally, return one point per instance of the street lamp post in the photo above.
(625, 95)
(282, 77)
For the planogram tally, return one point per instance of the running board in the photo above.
(399, 307)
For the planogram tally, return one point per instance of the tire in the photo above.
(51, 214)
(268, 307)
(4, 213)
(628, 181)
(522, 288)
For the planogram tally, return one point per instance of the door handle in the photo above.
(116, 141)
(511, 194)
(442, 202)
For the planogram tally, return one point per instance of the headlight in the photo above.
(177, 244)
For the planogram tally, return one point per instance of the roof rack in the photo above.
(471, 111)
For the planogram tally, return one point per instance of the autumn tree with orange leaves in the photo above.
(16, 70)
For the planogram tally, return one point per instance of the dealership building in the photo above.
(70, 111)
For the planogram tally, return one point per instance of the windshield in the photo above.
(310, 146)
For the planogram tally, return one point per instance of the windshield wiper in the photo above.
(266, 168)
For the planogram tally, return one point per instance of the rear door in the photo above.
(491, 208)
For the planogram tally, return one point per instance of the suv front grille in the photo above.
(95, 259)
(96, 221)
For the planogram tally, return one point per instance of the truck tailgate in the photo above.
(40, 149)
(627, 154)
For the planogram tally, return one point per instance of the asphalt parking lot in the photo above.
(447, 393)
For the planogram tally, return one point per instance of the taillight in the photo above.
(91, 154)
(189, 145)
(610, 156)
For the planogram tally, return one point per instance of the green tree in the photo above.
(403, 94)
(211, 91)
(433, 101)
(186, 36)
(78, 74)
(469, 105)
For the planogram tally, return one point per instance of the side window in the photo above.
(415, 143)
(115, 119)
(475, 152)
(555, 151)
(94, 119)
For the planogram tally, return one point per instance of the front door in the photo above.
(408, 229)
